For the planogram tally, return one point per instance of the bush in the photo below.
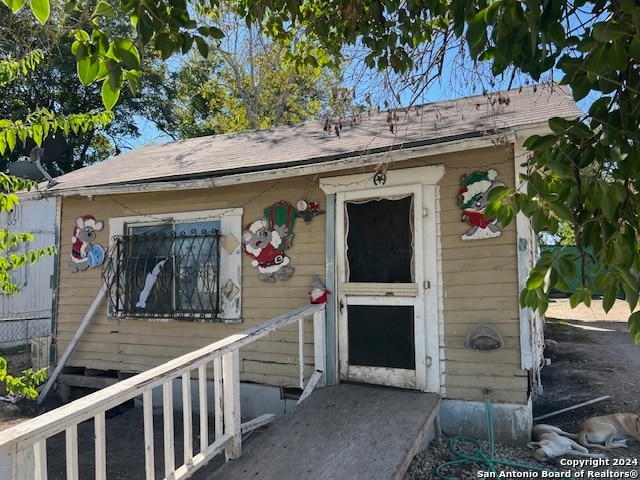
(23, 386)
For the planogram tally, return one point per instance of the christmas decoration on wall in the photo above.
(308, 210)
(319, 292)
(266, 239)
(472, 199)
(83, 253)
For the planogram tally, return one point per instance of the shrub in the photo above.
(23, 386)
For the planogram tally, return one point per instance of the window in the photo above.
(176, 268)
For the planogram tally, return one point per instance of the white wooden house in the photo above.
(384, 209)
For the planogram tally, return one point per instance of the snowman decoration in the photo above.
(473, 199)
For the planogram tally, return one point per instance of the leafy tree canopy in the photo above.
(586, 172)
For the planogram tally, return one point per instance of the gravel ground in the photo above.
(439, 452)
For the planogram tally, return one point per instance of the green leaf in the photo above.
(212, 32)
(567, 266)
(164, 45)
(537, 143)
(598, 60)
(87, 68)
(634, 47)
(14, 5)
(11, 139)
(608, 31)
(559, 125)
(133, 77)
(619, 58)
(581, 295)
(610, 296)
(536, 278)
(203, 48)
(557, 34)
(41, 9)
(128, 53)
(109, 96)
(634, 327)
(104, 9)
(476, 34)
(600, 107)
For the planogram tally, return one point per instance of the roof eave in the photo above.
(470, 141)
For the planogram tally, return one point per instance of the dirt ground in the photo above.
(594, 356)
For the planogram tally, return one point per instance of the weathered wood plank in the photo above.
(149, 460)
(101, 446)
(344, 431)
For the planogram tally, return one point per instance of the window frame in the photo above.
(230, 256)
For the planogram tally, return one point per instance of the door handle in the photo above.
(341, 306)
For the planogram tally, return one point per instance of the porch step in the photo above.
(340, 432)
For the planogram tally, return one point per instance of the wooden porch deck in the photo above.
(339, 433)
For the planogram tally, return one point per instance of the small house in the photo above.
(380, 215)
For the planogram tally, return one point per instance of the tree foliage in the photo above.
(245, 83)
(586, 172)
(50, 85)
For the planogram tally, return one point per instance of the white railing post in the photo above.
(301, 351)
(218, 399)
(149, 452)
(187, 420)
(320, 344)
(204, 407)
(231, 384)
(71, 440)
(318, 378)
(167, 412)
(100, 433)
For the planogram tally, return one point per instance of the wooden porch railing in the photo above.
(23, 448)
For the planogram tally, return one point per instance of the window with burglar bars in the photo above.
(167, 270)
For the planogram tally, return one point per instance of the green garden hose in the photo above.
(478, 456)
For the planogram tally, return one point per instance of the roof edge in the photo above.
(359, 159)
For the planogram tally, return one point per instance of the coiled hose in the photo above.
(478, 456)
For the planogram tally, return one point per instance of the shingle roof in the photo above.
(309, 143)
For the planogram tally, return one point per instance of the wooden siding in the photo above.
(480, 280)
(479, 285)
(133, 345)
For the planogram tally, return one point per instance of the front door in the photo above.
(381, 282)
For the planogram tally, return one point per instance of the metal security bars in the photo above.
(164, 272)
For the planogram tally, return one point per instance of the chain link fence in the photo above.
(26, 343)
(18, 333)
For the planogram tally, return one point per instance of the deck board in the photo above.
(340, 432)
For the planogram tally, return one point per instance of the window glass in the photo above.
(170, 270)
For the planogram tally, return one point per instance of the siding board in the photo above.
(479, 284)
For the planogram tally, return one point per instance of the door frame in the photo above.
(425, 293)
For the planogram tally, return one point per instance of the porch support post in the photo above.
(331, 346)
(319, 345)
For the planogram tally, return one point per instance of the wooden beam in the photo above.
(85, 381)
(257, 422)
(102, 294)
